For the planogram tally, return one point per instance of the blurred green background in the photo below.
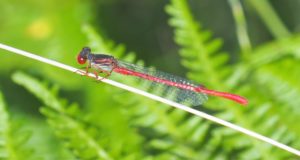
(120, 125)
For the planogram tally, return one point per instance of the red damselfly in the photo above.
(183, 90)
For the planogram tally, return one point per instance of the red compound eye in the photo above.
(80, 59)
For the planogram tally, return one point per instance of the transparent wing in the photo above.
(173, 93)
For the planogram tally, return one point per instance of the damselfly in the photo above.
(186, 90)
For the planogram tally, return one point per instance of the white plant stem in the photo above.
(157, 98)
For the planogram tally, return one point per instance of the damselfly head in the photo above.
(83, 55)
(80, 59)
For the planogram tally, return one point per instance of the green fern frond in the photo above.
(275, 69)
(196, 50)
(279, 85)
(283, 89)
(276, 50)
(79, 137)
(12, 140)
(264, 55)
(199, 50)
